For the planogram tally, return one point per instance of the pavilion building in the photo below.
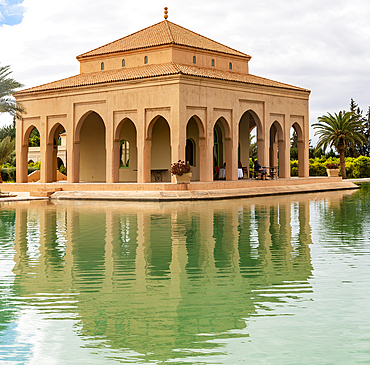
(157, 96)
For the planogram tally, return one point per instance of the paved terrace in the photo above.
(167, 192)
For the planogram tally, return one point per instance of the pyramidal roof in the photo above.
(149, 71)
(162, 33)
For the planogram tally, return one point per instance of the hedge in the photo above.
(356, 167)
(8, 174)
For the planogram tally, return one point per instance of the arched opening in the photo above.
(190, 152)
(59, 162)
(160, 151)
(57, 142)
(33, 155)
(219, 150)
(92, 149)
(276, 150)
(250, 128)
(296, 150)
(192, 148)
(127, 151)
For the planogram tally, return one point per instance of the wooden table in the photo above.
(273, 172)
(158, 174)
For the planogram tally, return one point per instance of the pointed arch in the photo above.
(277, 150)
(299, 131)
(81, 122)
(27, 133)
(279, 130)
(225, 125)
(125, 140)
(53, 150)
(149, 130)
(56, 129)
(200, 124)
(91, 137)
(159, 138)
(119, 126)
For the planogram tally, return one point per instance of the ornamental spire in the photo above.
(166, 12)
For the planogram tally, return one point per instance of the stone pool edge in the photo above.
(192, 195)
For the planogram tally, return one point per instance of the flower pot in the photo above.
(184, 178)
(332, 172)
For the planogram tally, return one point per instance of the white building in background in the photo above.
(34, 154)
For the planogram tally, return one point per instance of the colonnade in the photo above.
(94, 145)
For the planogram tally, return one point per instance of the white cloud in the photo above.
(319, 45)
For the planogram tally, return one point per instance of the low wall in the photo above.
(194, 186)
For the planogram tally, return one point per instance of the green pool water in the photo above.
(277, 280)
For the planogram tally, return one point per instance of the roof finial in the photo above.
(165, 12)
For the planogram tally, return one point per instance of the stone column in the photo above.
(244, 143)
(47, 163)
(22, 166)
(178, 139)
(231, 149)
(73, 153)
(273, 154)
(144, 149)
(203, 159)
(284, 158)
(303, 159)
(112, 162)
(207, 173)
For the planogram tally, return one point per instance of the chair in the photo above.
(217, 169)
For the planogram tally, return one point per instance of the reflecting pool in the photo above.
(277, 280)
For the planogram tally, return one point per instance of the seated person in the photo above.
(259, 170)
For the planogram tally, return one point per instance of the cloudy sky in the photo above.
(321, 45)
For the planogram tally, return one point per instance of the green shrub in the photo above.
(361, 167)
(317, 167)
(35, 165)
(350, 167)
(356, 167)
(293, 167)
(8, 174)
(63, 169)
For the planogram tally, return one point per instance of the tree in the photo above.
(366, 148)
(7, 146)
(7, 87)
(34, 140)
(294, 145)
(7, 130)
(252, 147)
(339, 131)
(357, 148)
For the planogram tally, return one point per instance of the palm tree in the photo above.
(7, 146)
(7, 87)
(339, 130)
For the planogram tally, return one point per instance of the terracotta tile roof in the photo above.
(159, 34)
(233, 76)
(150, 71)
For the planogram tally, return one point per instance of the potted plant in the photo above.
(182, 172)
(332, 170)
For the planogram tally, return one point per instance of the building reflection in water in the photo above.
(161, 280)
